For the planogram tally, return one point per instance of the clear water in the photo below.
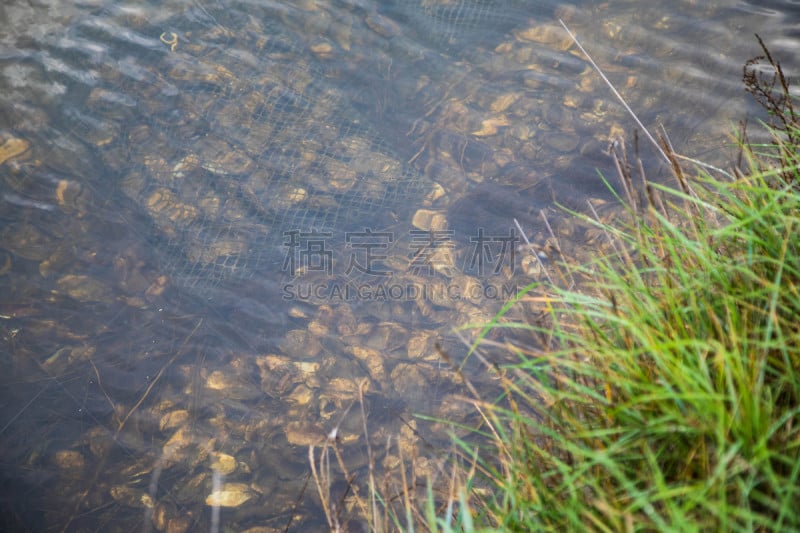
(123, 385)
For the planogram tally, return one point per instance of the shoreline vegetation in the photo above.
(663, 393)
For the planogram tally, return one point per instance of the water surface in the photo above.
(221, 220)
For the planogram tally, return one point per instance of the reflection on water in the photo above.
(224, 224)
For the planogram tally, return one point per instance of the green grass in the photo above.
(666, 392)
(672, 397)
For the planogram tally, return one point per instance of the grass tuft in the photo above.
(656, 387)
(667, 392)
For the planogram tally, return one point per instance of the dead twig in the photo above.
(616, 93)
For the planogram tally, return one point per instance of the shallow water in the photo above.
(165, 308)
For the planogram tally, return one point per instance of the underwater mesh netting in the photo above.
(457, 25)
(229, 126)
(231, 134)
